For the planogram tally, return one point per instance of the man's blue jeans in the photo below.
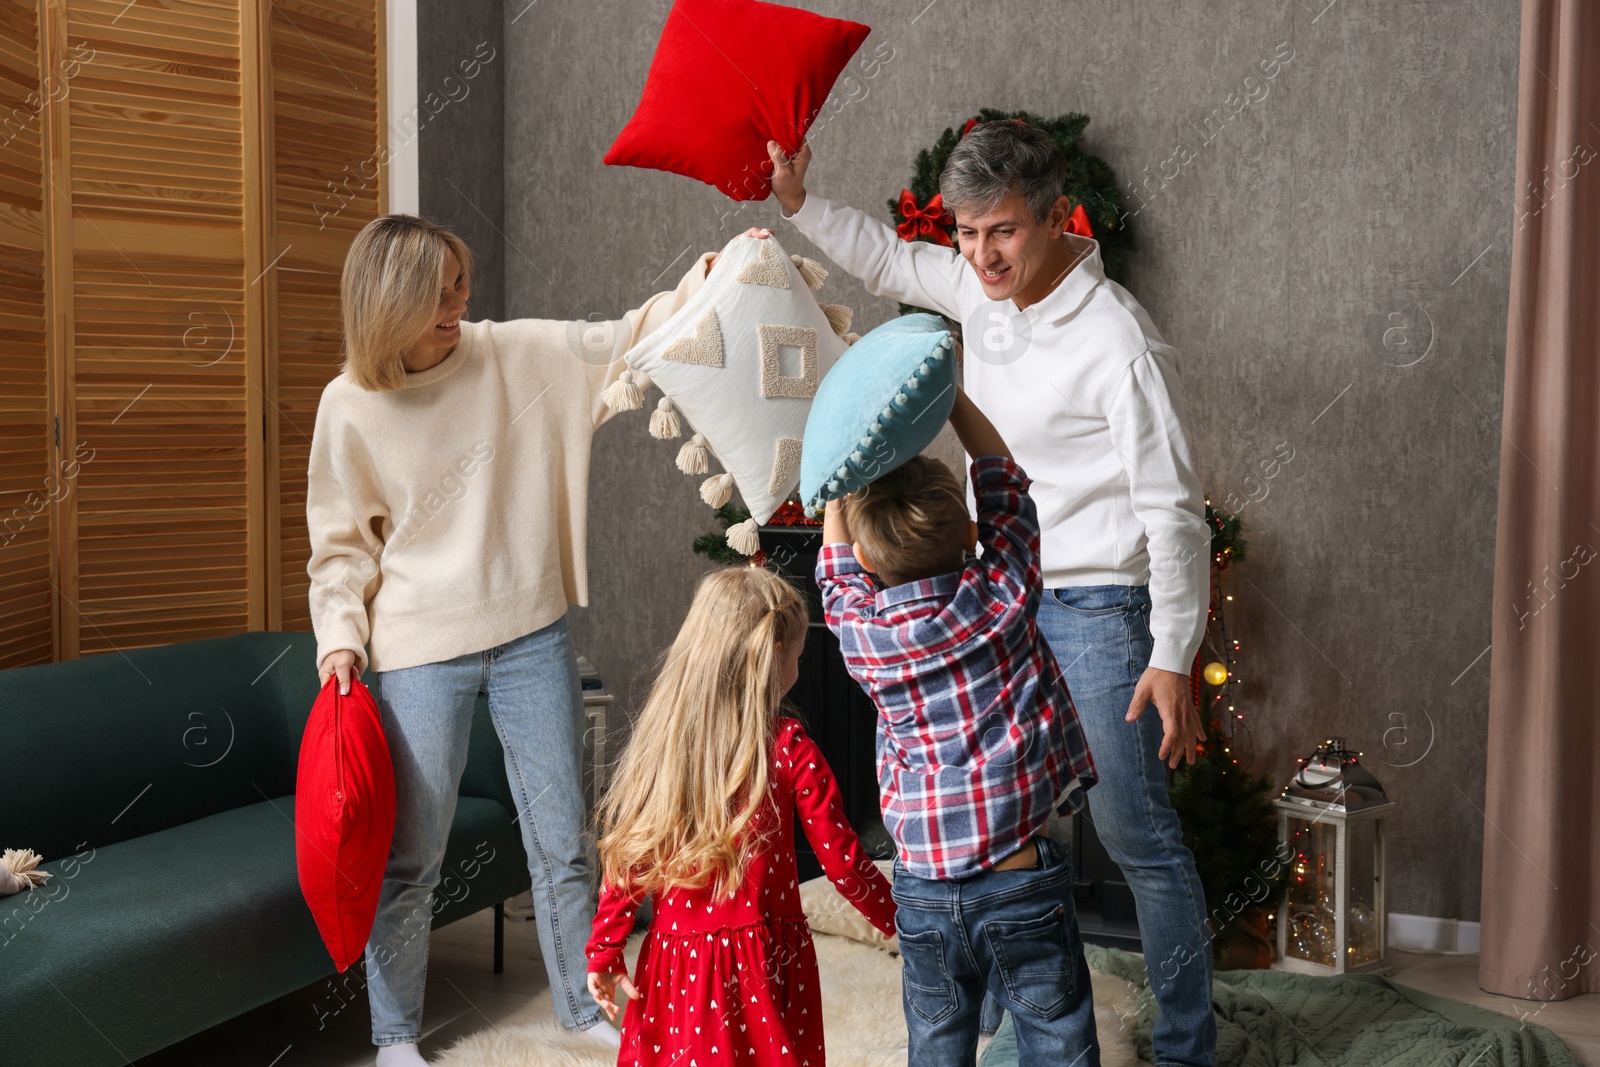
(1101, 637)
(536, 703)
(1012, 934)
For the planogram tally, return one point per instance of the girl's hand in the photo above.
(603, 988)
(342, 663)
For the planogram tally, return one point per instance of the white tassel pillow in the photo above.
(739, 364)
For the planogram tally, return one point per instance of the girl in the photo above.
(700, 817)
(445, 506)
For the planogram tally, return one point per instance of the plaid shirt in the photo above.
(978, 738)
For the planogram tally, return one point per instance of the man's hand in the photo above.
(603, 988)
(343, 663)
(1181, 729)
(789, 176)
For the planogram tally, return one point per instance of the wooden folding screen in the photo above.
(175, 201)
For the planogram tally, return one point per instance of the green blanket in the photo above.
(1277, 1019)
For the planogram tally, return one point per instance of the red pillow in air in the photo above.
(343, 817)
(728, 76)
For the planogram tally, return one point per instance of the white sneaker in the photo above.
(603, 1033)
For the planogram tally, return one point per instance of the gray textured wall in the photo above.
(1354, 217)
(461, 78)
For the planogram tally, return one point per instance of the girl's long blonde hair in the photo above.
(683, 805)
(389, 292)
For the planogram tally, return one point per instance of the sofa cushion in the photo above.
(164, 935)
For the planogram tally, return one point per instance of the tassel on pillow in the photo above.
(694, 457)
(17, 871)
(810, 270)
(745, 537)
(624, 394)
(839, 317)
(664, 422)
(717, 490)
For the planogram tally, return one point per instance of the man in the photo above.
(1070, 368)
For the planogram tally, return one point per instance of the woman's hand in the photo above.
(341, 663)
(754, 231)
(603, 988)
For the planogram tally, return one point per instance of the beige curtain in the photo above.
(1541, 849)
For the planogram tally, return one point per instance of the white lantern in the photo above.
(1330, 825)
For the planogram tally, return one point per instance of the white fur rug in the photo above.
(860, 1008)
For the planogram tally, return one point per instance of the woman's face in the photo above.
(442, 333)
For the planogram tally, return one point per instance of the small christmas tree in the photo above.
(1232, 829)
(1226, 811)
(715, 547)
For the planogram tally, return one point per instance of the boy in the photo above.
(977, 742)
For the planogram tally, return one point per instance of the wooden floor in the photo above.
(322, 1026)
(1575, 1021)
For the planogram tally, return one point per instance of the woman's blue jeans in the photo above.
(1101, 637)
(536, 703)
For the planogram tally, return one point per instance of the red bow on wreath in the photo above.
(929, 221)
(974, 122)
(1078, 222)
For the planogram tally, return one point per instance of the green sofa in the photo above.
(159, 787)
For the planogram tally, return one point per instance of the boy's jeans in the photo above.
(1011, 933)
(536, 703)
(1101, 637)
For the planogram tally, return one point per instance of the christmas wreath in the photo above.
(920, 215)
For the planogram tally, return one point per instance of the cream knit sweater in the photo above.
(449, 516)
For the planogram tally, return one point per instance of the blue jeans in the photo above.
(1101, 637)
(1012, 934)
(536, 703)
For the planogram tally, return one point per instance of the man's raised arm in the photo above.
(914, 272)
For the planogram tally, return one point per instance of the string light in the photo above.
(1230, 649)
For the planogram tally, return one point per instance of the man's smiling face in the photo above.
(1009, 249)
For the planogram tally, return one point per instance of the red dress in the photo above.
(736, 982)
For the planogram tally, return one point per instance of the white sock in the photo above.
(603, 1033)
(404, 1055)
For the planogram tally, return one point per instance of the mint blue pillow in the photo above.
(882, 403)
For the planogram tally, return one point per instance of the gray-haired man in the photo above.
(1070, 368)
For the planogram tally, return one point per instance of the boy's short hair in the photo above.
(912, 522)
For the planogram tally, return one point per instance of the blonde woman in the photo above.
(700, 816)
(446, 503)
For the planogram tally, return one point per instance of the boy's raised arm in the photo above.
(978, 435)
(835, 530)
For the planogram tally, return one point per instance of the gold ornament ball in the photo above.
(1215, 674)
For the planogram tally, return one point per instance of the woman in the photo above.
(446, 500)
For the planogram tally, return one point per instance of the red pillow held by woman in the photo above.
(343, 817)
